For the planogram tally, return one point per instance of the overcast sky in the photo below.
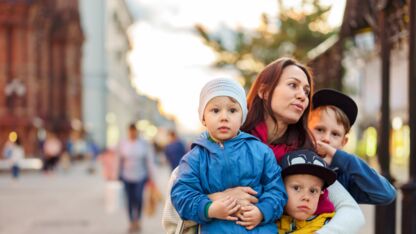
(168, 56)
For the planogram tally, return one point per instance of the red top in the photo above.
(279, 150)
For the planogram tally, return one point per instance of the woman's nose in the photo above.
(301, 95)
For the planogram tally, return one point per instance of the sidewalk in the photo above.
(66, 203)
(74, 202)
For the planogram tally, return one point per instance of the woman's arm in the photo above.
(362, 182)
(348, 217)
(170, 218)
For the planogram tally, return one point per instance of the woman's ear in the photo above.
(262, 92)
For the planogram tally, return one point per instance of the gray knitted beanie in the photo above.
(222, 87)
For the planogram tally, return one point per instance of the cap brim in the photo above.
(325, 97)
(326, 174)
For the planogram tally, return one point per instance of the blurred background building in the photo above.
(40, 68)
(63, 68)
(352, 61)
(110, 100)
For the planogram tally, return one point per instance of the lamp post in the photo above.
(14, 87)
(385, 214)
(409, 189)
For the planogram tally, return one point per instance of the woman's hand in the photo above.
(240, 193)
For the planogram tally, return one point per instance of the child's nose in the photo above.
(325, 138)
(224, 115)
(306, 197)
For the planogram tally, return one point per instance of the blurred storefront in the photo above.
(351, 62)
(40, 65)
(377, 50)
(108, 85)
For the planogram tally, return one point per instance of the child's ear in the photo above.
(203, 121)
(344, 141)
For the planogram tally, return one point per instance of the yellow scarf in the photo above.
(287, 224)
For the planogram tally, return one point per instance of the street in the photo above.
(75, 202)
(66, 203)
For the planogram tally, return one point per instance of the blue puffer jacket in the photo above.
(210, 168)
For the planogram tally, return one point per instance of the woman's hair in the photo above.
(259, 108)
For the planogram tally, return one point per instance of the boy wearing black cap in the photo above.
(333, 113)
(305, 175)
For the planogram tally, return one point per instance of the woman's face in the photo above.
(291, 95)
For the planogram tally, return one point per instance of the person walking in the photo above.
(17, 154)
(175, 149)
(136, 157)
(52, 149)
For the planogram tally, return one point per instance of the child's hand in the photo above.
(242, 203)
(224, 208)
(250, 216)
(326, 151)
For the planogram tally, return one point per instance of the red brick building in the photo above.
(40, 68)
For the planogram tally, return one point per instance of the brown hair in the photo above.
(267, 80)
(340, 116)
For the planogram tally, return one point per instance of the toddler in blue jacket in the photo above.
(224, 157)
(333, 113)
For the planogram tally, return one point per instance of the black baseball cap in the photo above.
(306, 161)
(326, 97)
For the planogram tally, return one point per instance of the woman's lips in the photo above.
(298, 107)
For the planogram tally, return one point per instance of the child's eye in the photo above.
(296, 188)
(233, 110)
(335, 134)
(314, 191)
(215, 110)
(319, 129)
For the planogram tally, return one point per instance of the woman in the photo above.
(278, 108)
(136, 166)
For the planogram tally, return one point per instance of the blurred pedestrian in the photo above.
(52, 149)
(175, 149)
(16, 156)
(136, 167)
(109, 163)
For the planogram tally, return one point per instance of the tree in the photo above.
(293, 32)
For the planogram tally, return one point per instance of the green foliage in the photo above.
(293, 32)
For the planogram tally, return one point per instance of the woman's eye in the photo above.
(307, 92)
(292, 85)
